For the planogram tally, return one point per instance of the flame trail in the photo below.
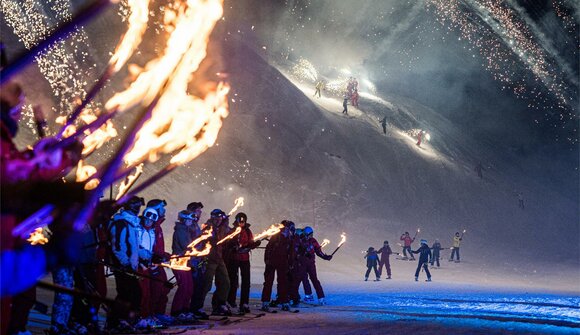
(239, 202)
(180, 262)
(324, 243)
(273, 230)
(129, 181)
(230, 236)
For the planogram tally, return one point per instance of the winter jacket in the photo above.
(244, 242)
(124, 228)
(436, 248)
(279, 250)
(408, 240)
(313, 248)
(425, 253)
(220, 230)
(456, 241)
(385, 253)
(183, 236)
(372, 258)
(159, 246)
(146, 244)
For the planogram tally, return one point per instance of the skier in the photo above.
(354, 98)
(456, 242)
(424, 257)
(124, 230)
(319, 87)
(385, 252)
(372, 259)
(520, 196)
(345, 104)
(197, 272)
(146, 240)
(479, 170)
(406, 238)
(383, 123)
(298, 269)
(216, 266)
(350, 85)
(186, 230)
(419, 138)
(436, 249)
(354, 84)
(239, 260)
(277, 256)
(313, 250)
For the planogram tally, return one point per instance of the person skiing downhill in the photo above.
(372, 260)
(424, 258)
(419, 138)
(385, 252)
(383, 123)
(456, 243)
(406, 238)
(319, 87)
(345, 104)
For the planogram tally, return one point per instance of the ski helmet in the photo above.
(194, 205)
(151, 214)
(308, 231)
(134, 204)
(386, 242)
(241, 217)
(217, 213)
(158, 205)
(186, 215)
(423, 241)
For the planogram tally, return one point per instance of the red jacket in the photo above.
(408, 240)
(245, 243)
(279, 251)
(385, 252)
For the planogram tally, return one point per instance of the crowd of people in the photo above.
(377, 259)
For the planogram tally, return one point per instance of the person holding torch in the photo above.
(313, 250)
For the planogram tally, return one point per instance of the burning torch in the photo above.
(324, 243)
(273, 230)
(343, 239)
(417, 232)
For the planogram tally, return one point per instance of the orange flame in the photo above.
(98, 137)
(230, 236)
(342, 239)
(129, 181)
(179, 121)
(132, 38)
(324, 243)
(37, 237)
(84, 173)
(273, 230)
(177, 262)
(239, 202)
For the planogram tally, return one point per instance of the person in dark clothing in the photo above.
(197, 270)
(216, 266)
(298, 272)
(345, 104)
(479, 170)
(385, 252)
(277, 257)
(424, 258)
(239, 260)
(383, 123)
(435, 249)
(372, 260)
(313, 250)
(186, 230)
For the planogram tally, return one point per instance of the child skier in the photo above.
(435, 248)
(406, 238)
(372, 260)
(385, 252)
(424, 257)
(345, 104)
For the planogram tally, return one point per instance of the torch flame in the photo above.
(273, 230)
(132, 38)
(239, 202)
(129, 181)
(37, 237)
(324, 243)
(180, 262)
(342, 239)
(84, 173)
(230, 236)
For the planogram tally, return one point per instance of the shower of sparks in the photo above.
(66, 65)
(305, 71)
(509, 47)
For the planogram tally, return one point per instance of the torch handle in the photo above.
(335, 250)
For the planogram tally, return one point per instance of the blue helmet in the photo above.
(308, 231)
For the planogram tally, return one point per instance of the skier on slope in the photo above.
(406, 238)
(424, 257)
(383, 123)
(456, 243)
(419, 138)
(319, 87)
(354, 98)
(385, 252)
(436, 249)
(345, 104)
(372, 260)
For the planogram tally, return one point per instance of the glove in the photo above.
(327, 257)
(256, 244)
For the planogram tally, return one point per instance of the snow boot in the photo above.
(428, 279)
(378, 279)
(222, 310)
(366, 278)
(308, 298)
(245, 308)
(389, 277)
(200, 315)
(321, 302)
(285, 307)
(416, 278)
(265, 306)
